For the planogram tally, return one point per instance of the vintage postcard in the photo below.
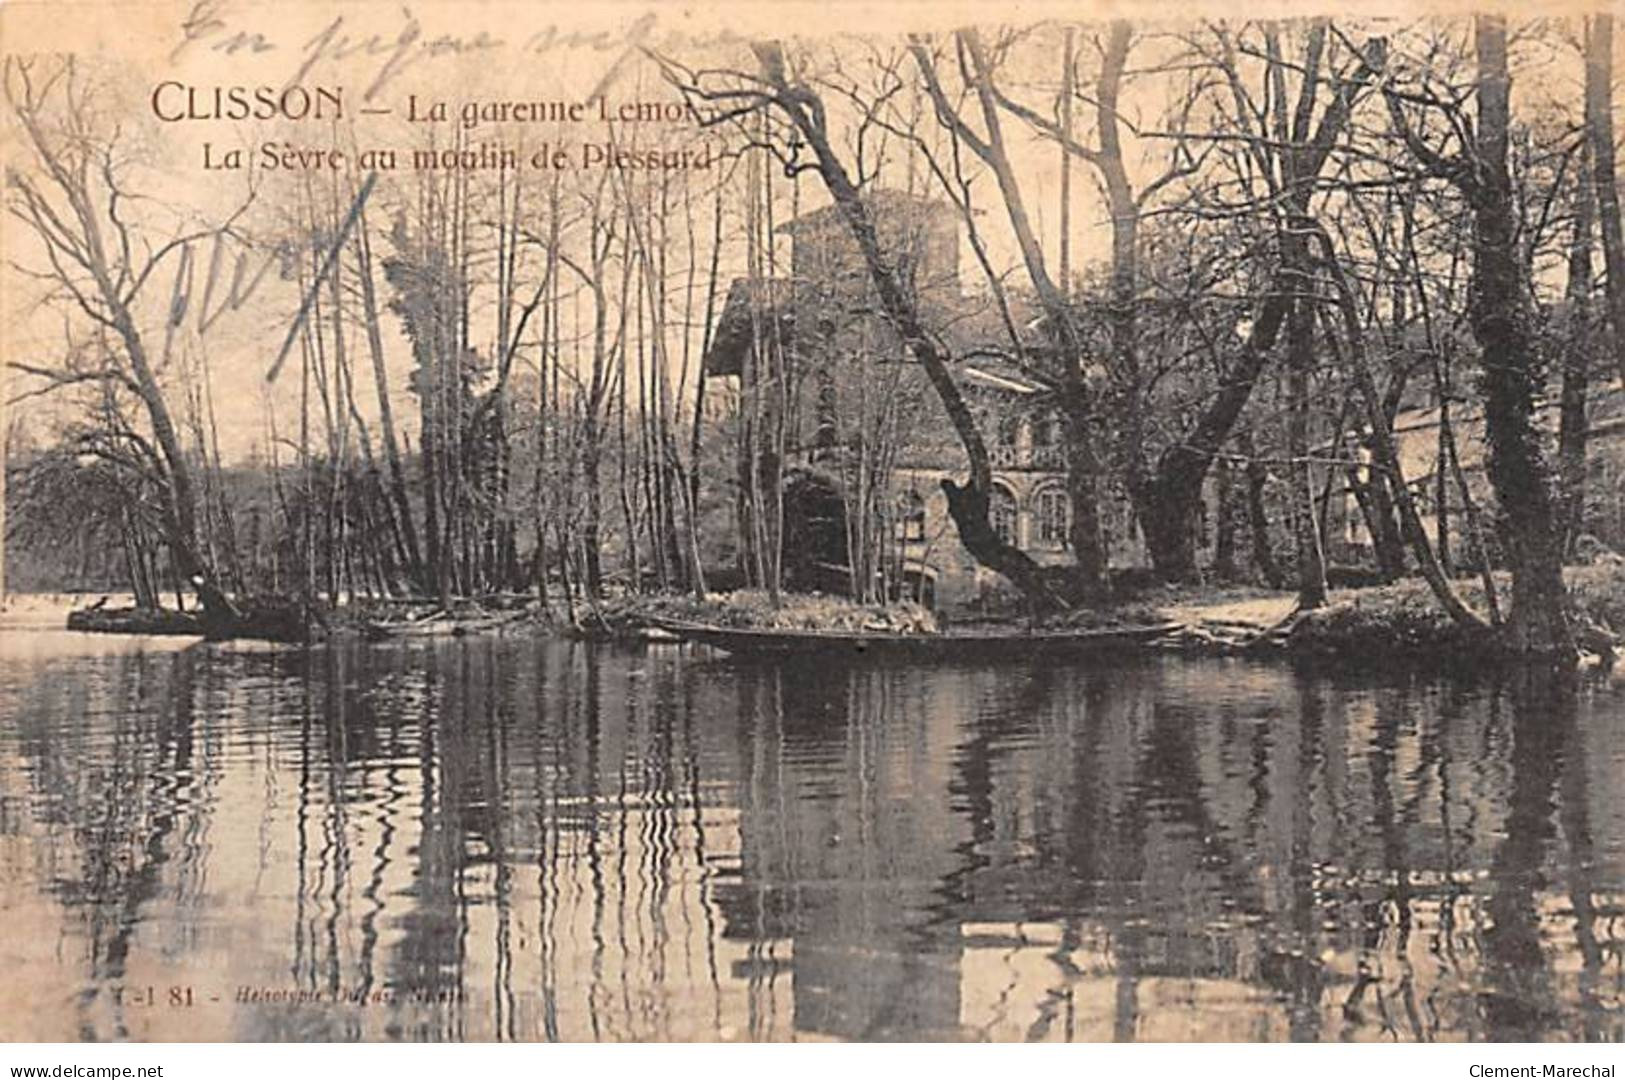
(881, 522)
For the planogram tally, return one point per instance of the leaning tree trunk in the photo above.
(968, 503)
(180, 510)
(1384, 450)
(1300, 357)
(1076, 399)
(402, 504)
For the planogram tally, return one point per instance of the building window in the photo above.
(1002, 515)
(1422, 490)
(1046, 435)
(1006, 451)
(1052, 510)
(910, 516)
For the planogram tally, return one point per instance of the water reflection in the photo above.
(508, 839)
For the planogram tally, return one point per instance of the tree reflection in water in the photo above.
(507, 839)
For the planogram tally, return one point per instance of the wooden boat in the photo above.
(439, 626)
(960, 645)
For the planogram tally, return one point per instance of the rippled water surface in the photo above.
(518, 839)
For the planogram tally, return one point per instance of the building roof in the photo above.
(886, 204)
(1001, 375)
(972, 325)
(754, 312)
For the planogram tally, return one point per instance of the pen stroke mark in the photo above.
(328, 263)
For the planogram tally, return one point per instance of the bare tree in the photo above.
(76, 200)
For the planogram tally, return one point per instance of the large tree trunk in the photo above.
(1502, 318)
(1167, 518)
(1168, 526)
(1258, 518)
(1599, 109)
(1377, 501)
(1306, 147)
(1571, 435)
(1171, 496)
(1224, 538)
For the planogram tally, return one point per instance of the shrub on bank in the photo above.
(1599, 594)
(1405, 618)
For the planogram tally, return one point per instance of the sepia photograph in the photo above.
(847, 522)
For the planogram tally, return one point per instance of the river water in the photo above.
(507, 838)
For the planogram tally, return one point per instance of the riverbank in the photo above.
(134, 620)
(749, 609)
(1404, 620)
(1400, 621)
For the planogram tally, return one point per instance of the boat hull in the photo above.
(879, 645)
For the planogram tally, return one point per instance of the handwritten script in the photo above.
(380, 51)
